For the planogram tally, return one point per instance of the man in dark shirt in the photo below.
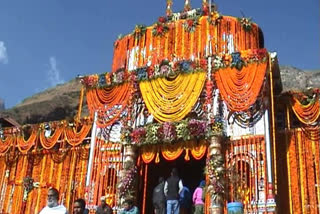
(172, 188)
(104, 208)
(158, 198)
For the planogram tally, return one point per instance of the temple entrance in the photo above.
(191, 172)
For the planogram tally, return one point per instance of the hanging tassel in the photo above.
(157, 158)
(139, 160)
(187, 157)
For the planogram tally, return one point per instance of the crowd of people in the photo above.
(172, 197)
(79, 206)
(169, 197)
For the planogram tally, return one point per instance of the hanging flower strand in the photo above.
(191, 24)
(139, 31)
(246, 23)
(160, 28)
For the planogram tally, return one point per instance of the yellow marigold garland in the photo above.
(171, 99)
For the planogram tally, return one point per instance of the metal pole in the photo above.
(268, 145)
(92, 145)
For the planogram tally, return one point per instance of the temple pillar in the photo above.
(128, 175)
(215, 171)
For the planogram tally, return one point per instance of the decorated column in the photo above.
(215, 171)
(128, 175)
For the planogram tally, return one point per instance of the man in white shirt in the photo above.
(52, 204)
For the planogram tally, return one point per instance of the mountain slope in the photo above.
(60, 102)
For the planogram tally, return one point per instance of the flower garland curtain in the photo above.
(50, 142)
(240, 89)
(109, 102)
(25, 145)
(172, 152)
(303, 168)
(37, 137)
(198, 150)
(171, 99)
(148, 154)
(75, 138)
(6, 144)
(307, 114)
(63, 176)
(173, 39)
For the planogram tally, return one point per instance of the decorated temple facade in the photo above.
(196, 91)
(197, 94)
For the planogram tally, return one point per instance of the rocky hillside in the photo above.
(297, 79)
(62, 101)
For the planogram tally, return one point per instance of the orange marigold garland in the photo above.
(74, 137)
(25, 145)
(109, 102)
(240, 88)
(306, 107)
(6, 143)
(48, 142)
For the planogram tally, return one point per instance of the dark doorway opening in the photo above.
(191, 172)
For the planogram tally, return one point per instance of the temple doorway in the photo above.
(191, 172)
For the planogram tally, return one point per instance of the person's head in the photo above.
(53, 197)
(79, 206)
(202, 183)
(103, 201)
(128, 204)
(161, 179)
(174, 172)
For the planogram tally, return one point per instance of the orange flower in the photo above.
(245, 55)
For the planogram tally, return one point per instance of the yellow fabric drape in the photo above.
(171, 99)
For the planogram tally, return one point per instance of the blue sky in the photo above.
(43, 43)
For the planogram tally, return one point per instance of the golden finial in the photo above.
(169, 8)
(187, 5)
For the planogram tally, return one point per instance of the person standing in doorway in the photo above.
(185, 201)
(158, 198)
(172, 188)
(198, 198)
